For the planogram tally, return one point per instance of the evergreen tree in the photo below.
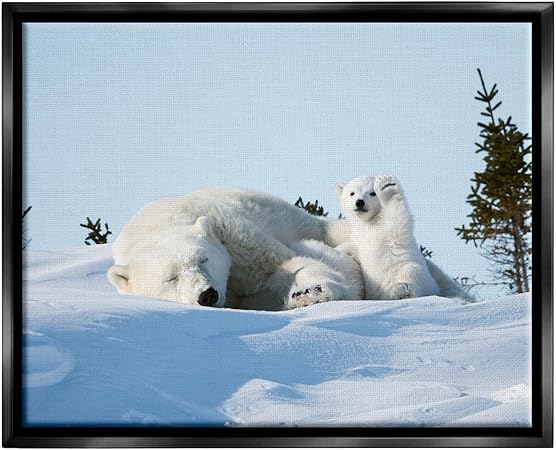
(95, 234)
(500, 221)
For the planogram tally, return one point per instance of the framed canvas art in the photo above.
(280, 224)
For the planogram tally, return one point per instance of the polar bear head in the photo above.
(358, 199)
(187, 264)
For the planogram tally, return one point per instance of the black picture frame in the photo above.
(540, 15)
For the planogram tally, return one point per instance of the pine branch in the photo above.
(425, 251)
(488, 97)
(311, 208)
(96, 235)
(26, 211)
(25, 241)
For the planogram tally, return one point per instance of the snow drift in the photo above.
(94, 357)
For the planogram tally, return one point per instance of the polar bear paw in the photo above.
(300, 296)
(386, 187)
(403, 290)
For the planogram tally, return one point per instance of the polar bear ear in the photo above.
(339, 189)
(119, 277)
(203, 227)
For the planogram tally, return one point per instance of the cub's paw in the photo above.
(300, 296)
(386, 187)
(403, 290)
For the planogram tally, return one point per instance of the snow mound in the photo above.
(94, 357)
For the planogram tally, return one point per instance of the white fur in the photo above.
(382, 239)
(323, 274)
(447, 285)
(233, 241)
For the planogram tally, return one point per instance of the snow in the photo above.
(94, 357)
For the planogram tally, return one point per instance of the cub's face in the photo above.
(187, 265)
(358, 199)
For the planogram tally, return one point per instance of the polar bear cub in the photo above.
(382, 239)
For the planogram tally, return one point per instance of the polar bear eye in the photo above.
(352, 194)
(372, 194)
(203, 260)
(172, 279)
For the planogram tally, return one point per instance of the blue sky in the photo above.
(116, 115)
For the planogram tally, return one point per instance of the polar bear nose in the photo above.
(360, 203)
(208, 297)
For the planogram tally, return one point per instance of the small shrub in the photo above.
(311, 208)
(96, 235)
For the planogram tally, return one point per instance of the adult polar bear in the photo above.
(230, 247)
